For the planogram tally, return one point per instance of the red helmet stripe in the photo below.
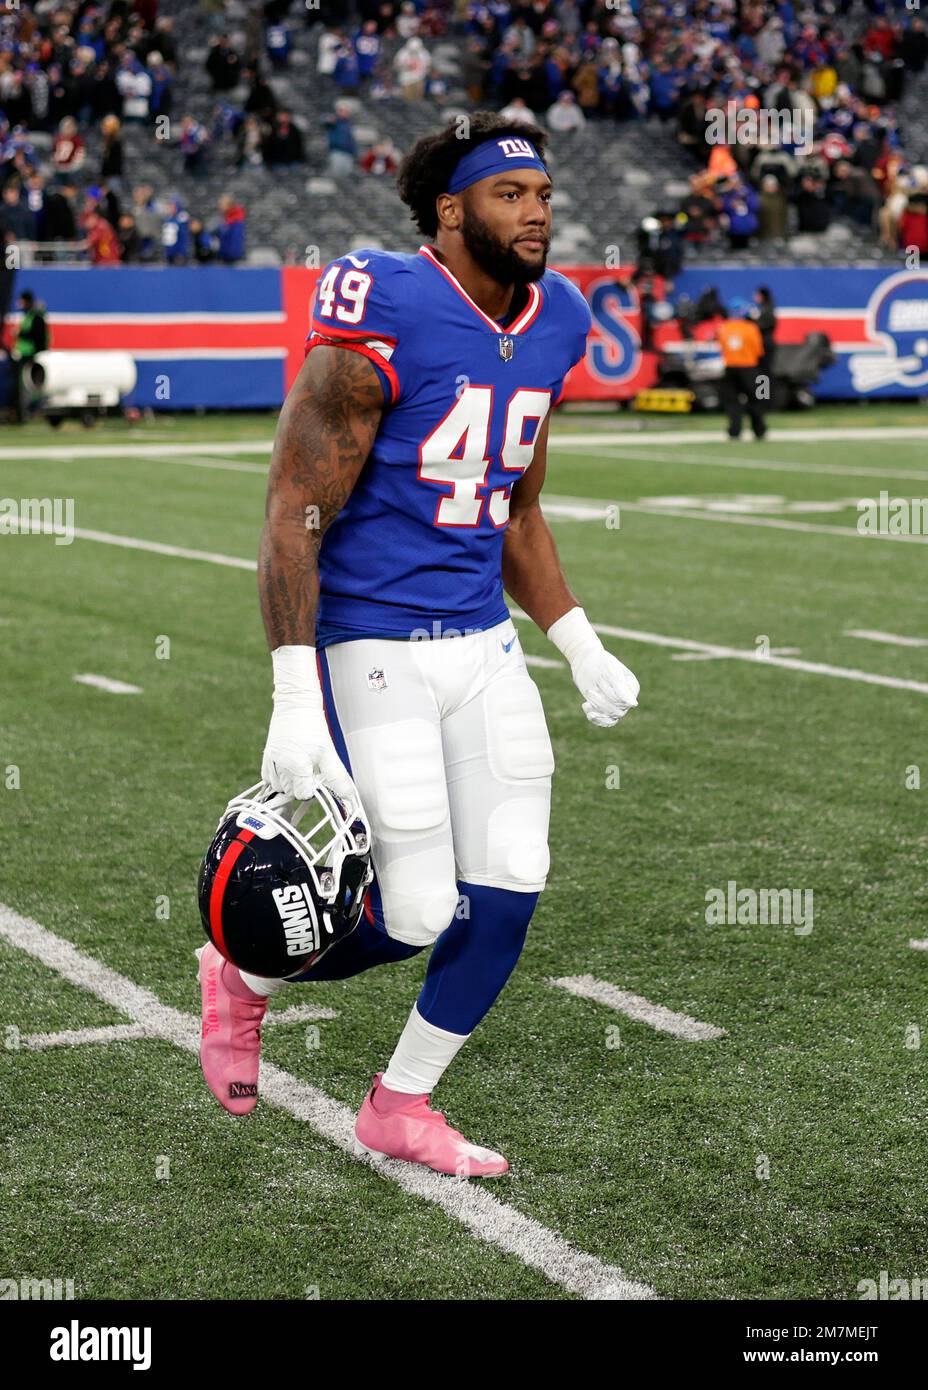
(226, 865)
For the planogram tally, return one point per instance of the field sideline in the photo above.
(692, 1109)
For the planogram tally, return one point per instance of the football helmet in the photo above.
(283, 881)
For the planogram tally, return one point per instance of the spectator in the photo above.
(343, 149)
(279, 41)
(175, 233)
(740, 206)
(161, 99)
(223, 64)
(382, 158)
(913, 224)
(248, 144)
(201, 242)
(565, 115)
(407, 23)
(853, 192)
(346, 75)
(68, 150)
(330, 43)
(59, 223)
(101, 240)
(765, 316)
(772, 210)
(367, 49)
(230, 232)
(128, 237)
(518, 111)
(18, 222)
(111, 159)
(147, 221)
(913, 48)
(260, 100)
(194, 143)
(283, 145)
(812, 204)
(412, 64)
(585, 85)
(134, 85)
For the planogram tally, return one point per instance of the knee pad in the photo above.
(517, 844)
(420, 895)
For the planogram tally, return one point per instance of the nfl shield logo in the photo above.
(376, 679)
(505, 349)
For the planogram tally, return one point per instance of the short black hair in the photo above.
(426, 170)
(27, 297)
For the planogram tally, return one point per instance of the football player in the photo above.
(403, 498)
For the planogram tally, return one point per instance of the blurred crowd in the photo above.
(69, 67)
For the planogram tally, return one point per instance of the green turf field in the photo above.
(783, 1159)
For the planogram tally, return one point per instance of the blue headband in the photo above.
(495, 157)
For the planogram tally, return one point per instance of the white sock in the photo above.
(259, 985)
(422, 1056)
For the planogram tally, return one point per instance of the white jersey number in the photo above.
(456, 453)
(346, 299)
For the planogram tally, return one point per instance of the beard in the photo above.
(501, 262)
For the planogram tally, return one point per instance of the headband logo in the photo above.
(516, 149)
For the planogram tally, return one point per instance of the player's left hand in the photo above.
(609, 689)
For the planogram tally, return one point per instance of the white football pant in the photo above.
(449, 749)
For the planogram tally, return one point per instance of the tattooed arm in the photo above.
(324, 435)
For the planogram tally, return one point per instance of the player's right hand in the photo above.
(299, 753)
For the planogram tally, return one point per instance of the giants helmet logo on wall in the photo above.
(282, 882)
(897, 325)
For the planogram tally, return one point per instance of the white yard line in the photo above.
(132, 1032)
(810, 435)
(773, 523)
(630, 634)
(639, 1009)
(545, 662)
(142, 447)
(918, 945)
(222, 465)
(133, 449)
(177, 552)
(105, 683)
(890, 638)
(595, 509)
(490, 1220)
(78, 1037)
(299, 1013)
(789, 663)
(760, 464)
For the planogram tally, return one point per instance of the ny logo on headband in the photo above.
(517, 149)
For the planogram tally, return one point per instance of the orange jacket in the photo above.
(742, 345)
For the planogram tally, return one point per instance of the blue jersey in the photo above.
(417, 549)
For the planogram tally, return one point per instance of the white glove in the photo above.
(608, 688)
(299, 753)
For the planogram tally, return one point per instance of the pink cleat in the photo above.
(230, 1043)
(418, 1134)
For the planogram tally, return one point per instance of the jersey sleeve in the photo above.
(575, 315)
(356, 304)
